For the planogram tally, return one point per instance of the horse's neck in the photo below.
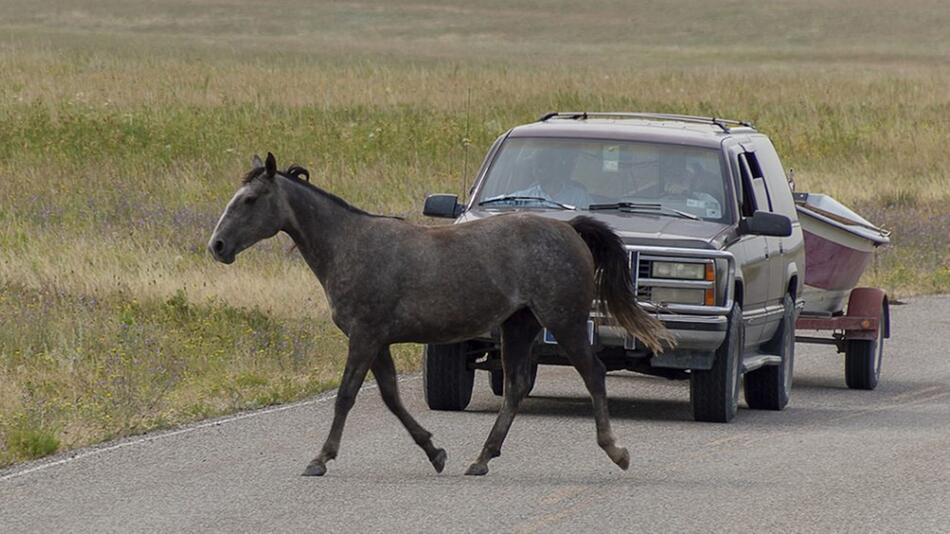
(323, 230)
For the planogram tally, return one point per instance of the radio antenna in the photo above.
(465, 143)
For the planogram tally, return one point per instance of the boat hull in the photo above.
(832, 270)
(839, 246)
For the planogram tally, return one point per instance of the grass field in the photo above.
(126, 125)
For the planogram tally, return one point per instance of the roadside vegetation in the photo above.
(126, 126)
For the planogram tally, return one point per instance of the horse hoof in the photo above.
(477, 470)
(623, 459)
(438, 462)
(315, 469)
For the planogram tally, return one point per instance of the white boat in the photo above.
(839, 245)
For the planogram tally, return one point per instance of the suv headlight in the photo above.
(697, 288)
(679, 270)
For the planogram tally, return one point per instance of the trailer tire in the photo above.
(862, 360)
(769, 387)
(714, 394)
(446, 377)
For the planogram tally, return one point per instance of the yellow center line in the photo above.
(710, 449)
(561, 494)
(727, 439)
(916, 392)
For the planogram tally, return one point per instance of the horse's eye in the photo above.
(249, 200)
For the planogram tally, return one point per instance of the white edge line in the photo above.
(162, 435)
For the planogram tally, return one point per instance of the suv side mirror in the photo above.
(442, 206)
(766, 223)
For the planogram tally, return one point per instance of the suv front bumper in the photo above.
(698, 329)
(692, 332)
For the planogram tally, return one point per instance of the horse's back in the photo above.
(454, 282)
(521, 252)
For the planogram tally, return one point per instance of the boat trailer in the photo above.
(839, 245)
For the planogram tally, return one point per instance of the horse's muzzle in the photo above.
(220, 251)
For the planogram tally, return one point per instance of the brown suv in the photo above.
(716, 249)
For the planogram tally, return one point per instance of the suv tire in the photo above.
(446, 377)
(497, 380)
(769, 387)
(714, 394)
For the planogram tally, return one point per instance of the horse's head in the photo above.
(253, 214)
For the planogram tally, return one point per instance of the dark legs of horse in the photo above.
(358, 361)
(573, 339)
(385, 372)
(517, 334)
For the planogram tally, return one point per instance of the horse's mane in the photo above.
(301, 176)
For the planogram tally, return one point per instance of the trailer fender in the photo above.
(872, 303)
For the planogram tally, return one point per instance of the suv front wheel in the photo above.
(714, 394)
(447, 379)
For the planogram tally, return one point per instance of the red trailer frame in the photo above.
(859, 333)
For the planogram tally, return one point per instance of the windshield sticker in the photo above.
(709, 205)
(611, 158)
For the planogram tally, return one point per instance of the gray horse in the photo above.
(390, 281)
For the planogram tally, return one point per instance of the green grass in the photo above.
(83, 368)
(31, 443)
(126, 125)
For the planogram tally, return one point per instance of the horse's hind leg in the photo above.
(573, 339)
(362, 352)
(517, 334)
(385, 372)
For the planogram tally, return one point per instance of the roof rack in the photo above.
(584, 115)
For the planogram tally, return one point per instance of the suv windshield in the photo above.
(642, 177)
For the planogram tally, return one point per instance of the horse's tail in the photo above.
(615, 285)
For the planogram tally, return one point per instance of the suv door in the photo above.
(753, 249)
(766, 199)
(790, 249)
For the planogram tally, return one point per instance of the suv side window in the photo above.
(780, 193)
(755, 194)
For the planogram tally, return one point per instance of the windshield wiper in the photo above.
(642, 206)
(507, 198)
(618, 205)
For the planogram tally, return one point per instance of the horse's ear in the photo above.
(256, 162)
(271, 165)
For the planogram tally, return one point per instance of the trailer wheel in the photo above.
(446, 377)
(498, 380)
(862, 360)
(714, 394)
(769, 387)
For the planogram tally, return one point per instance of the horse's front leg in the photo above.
(362, 352)
(385, 371)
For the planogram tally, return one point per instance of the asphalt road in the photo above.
(834, 460)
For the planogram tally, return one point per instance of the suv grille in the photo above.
(681, 290)
(643, 270)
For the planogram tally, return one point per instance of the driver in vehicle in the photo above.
(550, 174)
(684, 183)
